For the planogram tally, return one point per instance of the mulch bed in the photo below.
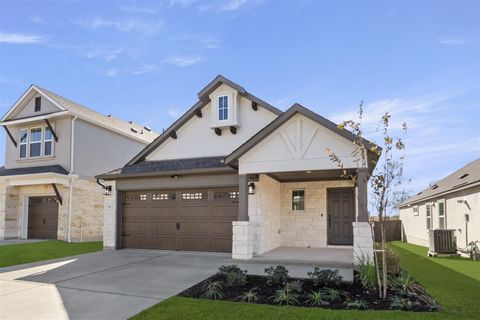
(352, 291)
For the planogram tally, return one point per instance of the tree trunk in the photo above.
(384, 261)
(375, 256)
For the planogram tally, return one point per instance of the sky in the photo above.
(145, 61)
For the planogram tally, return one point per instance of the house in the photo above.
(451, 203)
(54, 149)
(235, 174)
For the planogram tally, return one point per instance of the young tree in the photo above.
(385, 180)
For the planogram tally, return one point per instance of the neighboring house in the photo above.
(451, 203)
(54, 149)
(235, 174)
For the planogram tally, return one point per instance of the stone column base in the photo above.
(242, 240)
(362, 242)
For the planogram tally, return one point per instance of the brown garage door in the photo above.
(192, 220)
(42, 217)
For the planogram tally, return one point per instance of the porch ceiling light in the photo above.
(251, 188)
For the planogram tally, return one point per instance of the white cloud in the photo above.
(106, 55)
(182, 61)
(21, 38)
(37, 20)
(452, 41)
(113, 72)
(126, 25)
(138, 9)
(210, 43)
(175, 113)
(143, 69)
(232, 5)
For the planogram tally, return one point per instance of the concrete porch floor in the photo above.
(301, 260)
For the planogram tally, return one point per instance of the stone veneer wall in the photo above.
(110, 218)
(87, 211)
(306, 228)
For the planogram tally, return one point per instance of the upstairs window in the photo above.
(298, 200)
(415, 210)
(35, 142)
(47, 142)
(38, 104)
(223, 108)
(23, 143)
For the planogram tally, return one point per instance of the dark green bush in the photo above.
(325, 277)
(233, 275)
(276, 276)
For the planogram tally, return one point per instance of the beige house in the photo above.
(54, 149)
(235, 174)
(451, 203)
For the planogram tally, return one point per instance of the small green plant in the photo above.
(398, 303)
(285, 296)
(214, 290)
(357, 304)
(333, 295)
(393, 260)
(295, 286)
(250, 296)
(366, 273)
(325, 277)
(233, 275)
(276, 276)
(403, 280)
(316, 299)
(428, 301)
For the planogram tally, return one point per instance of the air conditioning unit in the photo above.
(442, 241)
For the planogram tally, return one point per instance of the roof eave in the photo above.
(117, 176)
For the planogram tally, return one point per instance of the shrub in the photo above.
(233, 275)
(367, 274)
(393, 260)
(325, 277)
(429, 302)
(398, 303)
(285, 296)
(250, 296)
(316, 299)
(403, 280)
(357, 304)
(295, 286)
(333, 295)
(214, 290)
(276, 276)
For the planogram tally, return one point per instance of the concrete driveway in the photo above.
(102, 285)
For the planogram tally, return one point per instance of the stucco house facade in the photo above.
(235, 174)
(54, 149)
(451, 203)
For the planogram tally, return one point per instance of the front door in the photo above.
(42, 218)
(341, 215)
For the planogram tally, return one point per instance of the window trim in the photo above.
(416, 213)
(444, 215)
(429, 217)
(292, 203)
(41, 141)
(223, 108)
(20, 143)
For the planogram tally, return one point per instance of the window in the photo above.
(23, 143)
(429, 216)
(298, 200)
(143, 197)
(223, 108)
(163, 196)
(35, 142)
(441, 214)
(225, 195)
(192, 196)
(415, 210)
(47, 142)
(38, 104)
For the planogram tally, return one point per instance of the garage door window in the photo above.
(193, 195)
(163, 196)
(225, 195)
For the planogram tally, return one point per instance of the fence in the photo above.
(393, 230)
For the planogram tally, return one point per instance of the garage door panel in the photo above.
(193, 220)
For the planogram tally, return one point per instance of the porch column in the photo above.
(243, 197)
(362, 231)
(362, 195)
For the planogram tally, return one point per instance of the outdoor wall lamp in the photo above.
(174, 176)
(251, 188)
(107, 190)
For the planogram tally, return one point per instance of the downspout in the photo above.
(70, 191)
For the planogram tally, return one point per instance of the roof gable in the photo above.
(284, 118)
(204, 100)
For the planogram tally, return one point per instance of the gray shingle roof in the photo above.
(32, 170)
(461, 178)
(170, 166)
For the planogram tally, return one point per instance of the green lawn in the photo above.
(14, 254)
(454, 283)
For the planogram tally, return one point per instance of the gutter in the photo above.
(165, 173)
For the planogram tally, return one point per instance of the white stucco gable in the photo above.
(197, 136)
(299, 144)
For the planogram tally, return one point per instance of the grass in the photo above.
(14, 254)
(453, 282)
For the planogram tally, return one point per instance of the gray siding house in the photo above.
(54, 149)
(235, 174)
